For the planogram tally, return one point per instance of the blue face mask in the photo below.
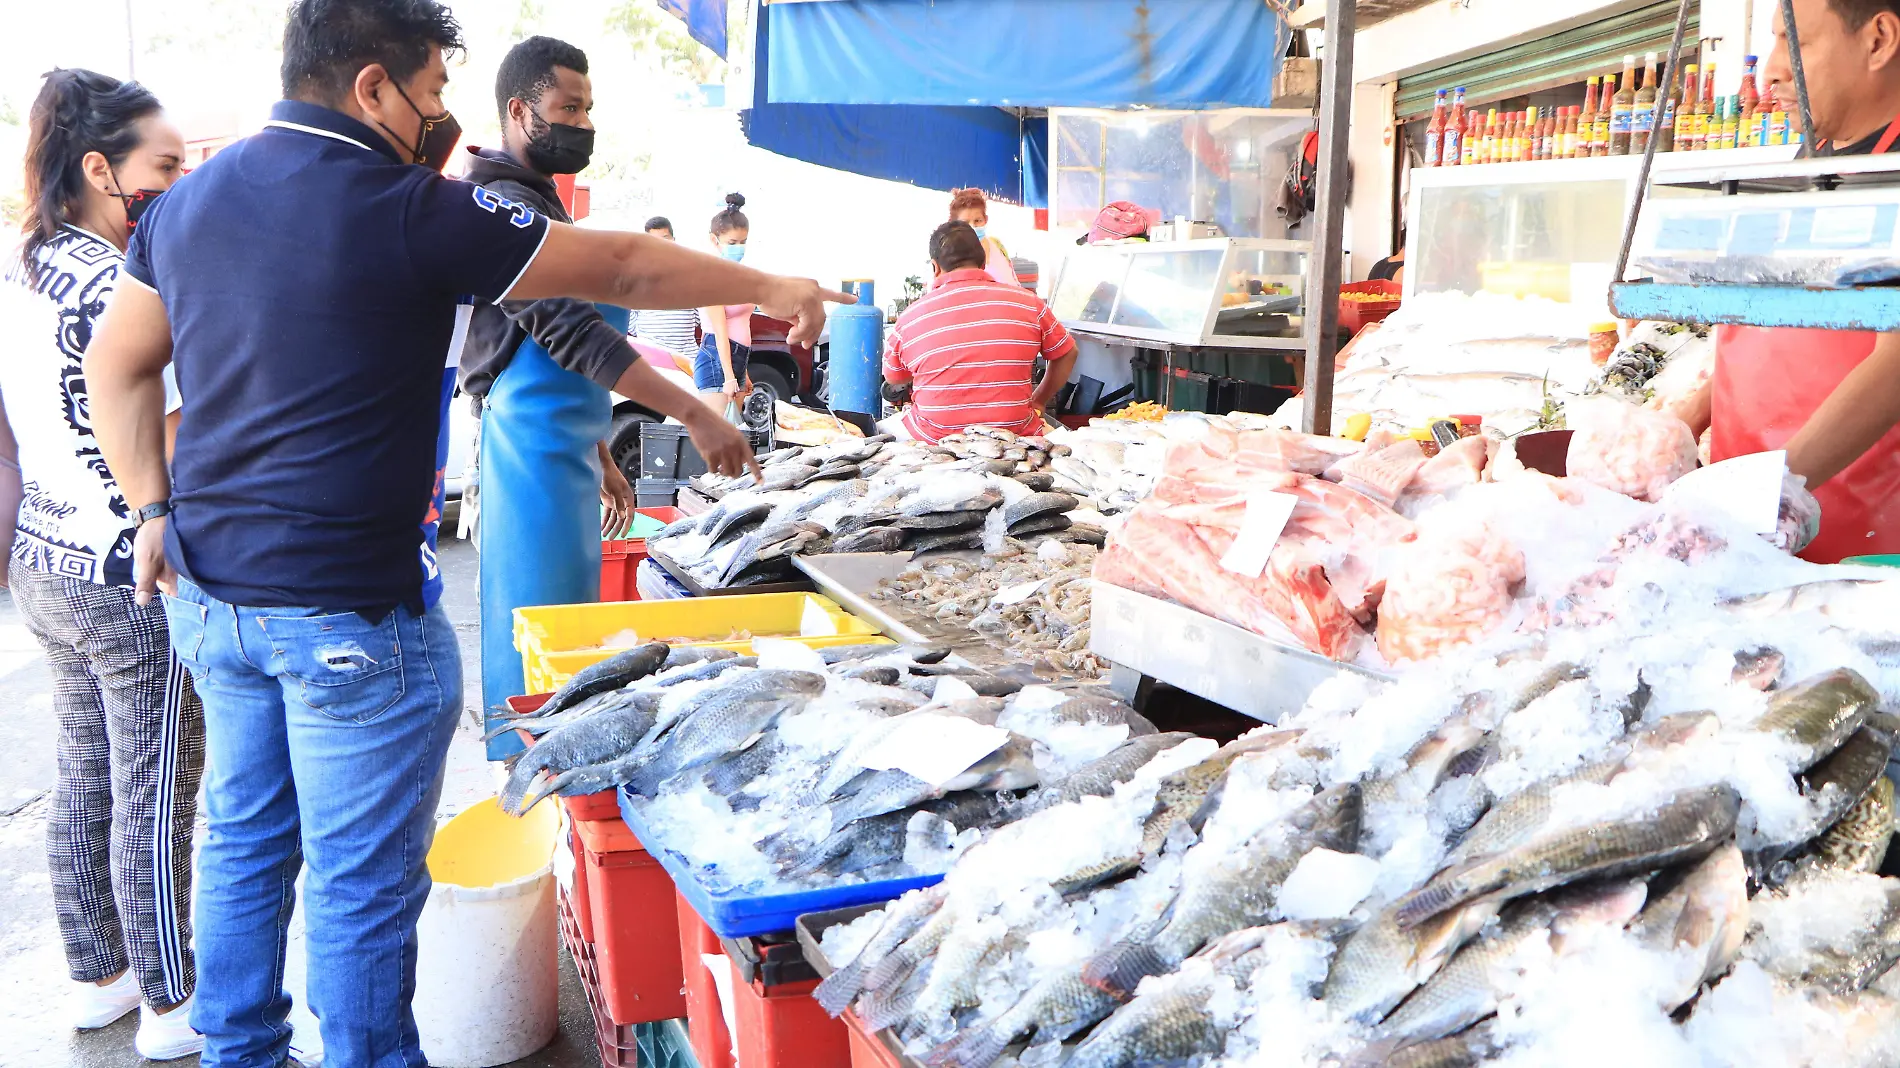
(982, 232)
(735, 253)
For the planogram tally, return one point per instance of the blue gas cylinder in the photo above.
(857, 352)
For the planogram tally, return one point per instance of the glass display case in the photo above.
(1226, 292)
(1221, 166)
(1549, 228)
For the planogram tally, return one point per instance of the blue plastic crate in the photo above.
(739, 916)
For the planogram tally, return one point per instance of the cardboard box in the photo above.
(1297, 84)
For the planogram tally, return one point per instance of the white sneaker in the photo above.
(167, 1037)
(98, 1006)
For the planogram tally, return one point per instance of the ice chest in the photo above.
(555, 641)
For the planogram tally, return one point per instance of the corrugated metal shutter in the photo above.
(1560, 59)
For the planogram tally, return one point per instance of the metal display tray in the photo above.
(849, 578)
(699, 589)
(1211, 658)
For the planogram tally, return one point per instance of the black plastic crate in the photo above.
(666, 452)
(656, 492)
(774, 959)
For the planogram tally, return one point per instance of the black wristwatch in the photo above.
(150, 512)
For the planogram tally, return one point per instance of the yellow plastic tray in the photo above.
(555, 641)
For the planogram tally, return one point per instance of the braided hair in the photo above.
(77, 112)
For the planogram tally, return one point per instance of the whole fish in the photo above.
(951, 539)
(1105, 711)
(1037, 504)
(920, 654)
(1470, 985)
(870, 540)
(1837, 785)
(540, 725)
(888, 987)
(735, 518)
(1858, 841)
(683, 655)
(720, 719)
(731, 773)
(877, 676)
(1686, 826)
(597, 739)
(1381, 962)
(1232, 894)
(1011, 767)
(936, 522)
(848, 764)
(1099, 777)
(878, 840)
(1819, 714)
(1702, 919)
(902, 918)
(610, 674)
(1174, 1025)
(1053, 1010)
(1048, 523)
(696, 671)
(959, 965)
(1427, 763)
(1468, 1049)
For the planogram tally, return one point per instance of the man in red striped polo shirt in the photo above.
(969, 347)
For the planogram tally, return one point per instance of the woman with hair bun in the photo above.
(970, 206)
(720, 365)
(131, 729)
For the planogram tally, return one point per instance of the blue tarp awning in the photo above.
(1026, 53)
(705, 21)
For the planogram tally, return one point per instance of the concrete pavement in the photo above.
(33, 983)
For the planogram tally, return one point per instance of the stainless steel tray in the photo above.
(849, 578)
(1228, 665)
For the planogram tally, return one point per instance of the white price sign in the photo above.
(1267, 514)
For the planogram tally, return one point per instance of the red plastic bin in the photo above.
(705, 1023)
(617, 1043)
(620, 559)
(785, 1027)
(578, 897)
(597, 806)
(630, 898)
(867, 1051)
(1354, 315)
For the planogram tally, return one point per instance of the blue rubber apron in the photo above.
(540, 504)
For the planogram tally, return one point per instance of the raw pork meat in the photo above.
(1631, 450)
(1385, 474)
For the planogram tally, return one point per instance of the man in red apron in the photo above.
(1830, 397)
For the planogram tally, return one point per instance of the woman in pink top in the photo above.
(970, 206)
(720, 365)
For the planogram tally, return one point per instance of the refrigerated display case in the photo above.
(1224, 292)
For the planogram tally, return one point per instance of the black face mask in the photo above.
(135, 203)
(435, 140)
(558, 149)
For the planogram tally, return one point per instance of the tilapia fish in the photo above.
(599, 738)
(1010, 767)
(1055, 1009)
(878, 840)
(1858, 841)
(1105, 711)
(610, 674)
(699, 670)
(1099, 777)
(1381, 962)
(1687, 825)
(1174, 1025)
(722, 718)
(1838, 785)
(1819, 714)
(849, 763)
(1701, 920)
(1468, 1049)
(1230, 895)
(902, 918)
(1468, 988)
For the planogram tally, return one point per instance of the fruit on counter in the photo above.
(1357, 425)
(1368, 298)
(1139, 412)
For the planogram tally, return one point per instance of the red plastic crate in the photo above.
(597, 806)
(784, 1027)
(1355, 314)
(705, 1024)
(867, 1051)
(583, 910)
(620, 559)
(617, 1043)
(630, 899)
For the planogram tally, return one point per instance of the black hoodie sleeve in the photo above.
(572, 331)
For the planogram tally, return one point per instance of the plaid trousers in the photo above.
(131, 751)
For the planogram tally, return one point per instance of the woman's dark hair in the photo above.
(77, 111)
(528, 70)
(731, 218)
(327, 42)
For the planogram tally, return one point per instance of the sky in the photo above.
(214, 65)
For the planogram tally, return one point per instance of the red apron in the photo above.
(1768, 381)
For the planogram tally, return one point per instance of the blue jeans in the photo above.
(326, 737)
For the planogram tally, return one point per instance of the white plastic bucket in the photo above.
(487, 973)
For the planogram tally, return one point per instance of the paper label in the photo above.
(935, 749)
(1018, 593)
(1747, 489)
(1267, 513)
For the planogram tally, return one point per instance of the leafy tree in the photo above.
(657, 37)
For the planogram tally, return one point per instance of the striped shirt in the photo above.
(673, 331)
(969, 348)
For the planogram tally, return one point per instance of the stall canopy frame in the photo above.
(1558, 59)
(1326, 261)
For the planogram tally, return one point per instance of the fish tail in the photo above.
(974, 1049)
(887, 973)
(645, 781)
(503, 728)
(1120, 968)
(521, 778)
(839, 988)
(882, 1008)
(1428, 901)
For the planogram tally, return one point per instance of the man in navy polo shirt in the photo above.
(307, 283)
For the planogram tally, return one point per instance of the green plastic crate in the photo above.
(1889, 560)
(664, 1045)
